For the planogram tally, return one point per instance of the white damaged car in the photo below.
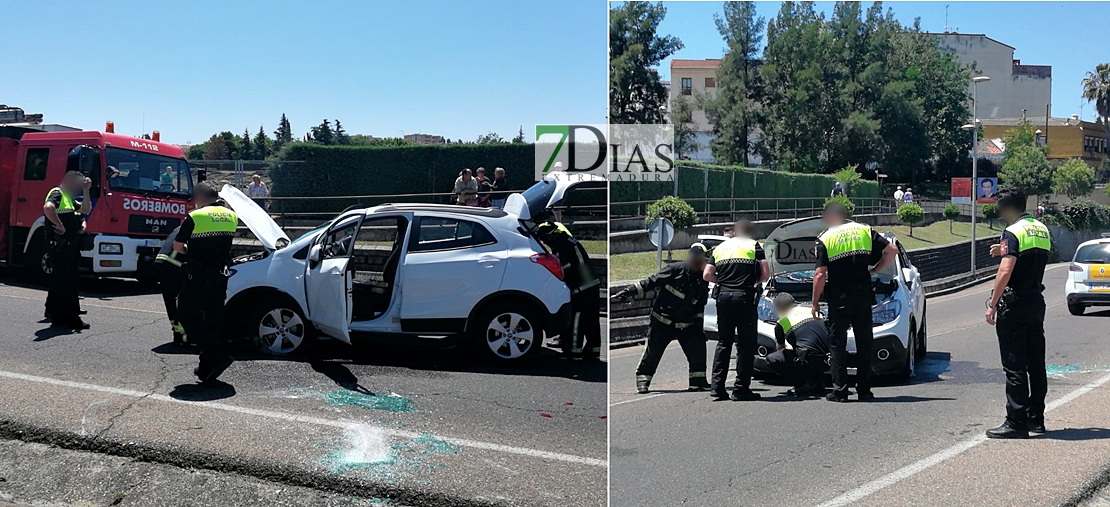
(404, 270)
(898, 315)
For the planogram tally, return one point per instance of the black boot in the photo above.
(642, 386)
(1035, 426)
(698, 384)
(837, 396)
(865, 395)
(1007, 430)
(743, 394)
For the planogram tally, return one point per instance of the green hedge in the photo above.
(735, 182)
(369, 170)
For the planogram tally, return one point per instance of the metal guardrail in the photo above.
(779, 208)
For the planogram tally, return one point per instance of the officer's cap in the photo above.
(698, 251)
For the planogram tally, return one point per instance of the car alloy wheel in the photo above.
(280, 331)
(510, 335)
(45, 264)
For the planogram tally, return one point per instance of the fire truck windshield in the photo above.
(148, 173)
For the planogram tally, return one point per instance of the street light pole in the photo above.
(974, 158)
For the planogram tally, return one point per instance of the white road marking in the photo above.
(639, 398)
(951, 452)
(319, 421)
(87, 304)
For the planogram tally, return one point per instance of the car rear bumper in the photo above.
(1089, 298)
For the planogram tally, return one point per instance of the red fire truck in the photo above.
(140, 193)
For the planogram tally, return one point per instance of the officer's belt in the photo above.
(669, 322)
(167, 258)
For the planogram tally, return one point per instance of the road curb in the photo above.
(276, 473)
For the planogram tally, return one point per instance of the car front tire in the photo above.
(922, 339)
(278, 327)
(911, 347)
(507, 333)
(1076, 308)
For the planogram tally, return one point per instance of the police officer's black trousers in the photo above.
(660, 336)
(62, 300)
(1022, 345)
(170, 280)
(201, 311)
(585, 324)
(736, 323)
(856, 313)
(808, 375)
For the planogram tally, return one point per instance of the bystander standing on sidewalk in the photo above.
(258, 192)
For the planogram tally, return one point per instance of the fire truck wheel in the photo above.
(38, 263)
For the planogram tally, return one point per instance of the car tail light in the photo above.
(550, 262)
(1077, 268)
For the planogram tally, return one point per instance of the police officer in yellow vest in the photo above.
(845, 253)
(169, 264)
(677, 314)
(1016, 309)
(206, 236)
(802, 354)
(62, 233)
(736, 266)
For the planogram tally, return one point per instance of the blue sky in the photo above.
(453, 68)
(1064, 35)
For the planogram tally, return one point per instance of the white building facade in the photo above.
(1014, 89)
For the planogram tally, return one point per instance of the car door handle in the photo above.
(488, 262)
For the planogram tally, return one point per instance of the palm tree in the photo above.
(1096, 88)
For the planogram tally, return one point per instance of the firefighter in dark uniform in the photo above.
(1016, 309)
(62, 234)
(677, 314)
(802, 354)
(845, 253)
(206, 236)
(736, 266)
(583, 338)
(168, 264)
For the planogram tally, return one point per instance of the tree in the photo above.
(636, 94)
(678, 211)
(1023, 135)
(246, 149)
(1074, 179)
(1096, 88)
(323, 133)
(519, 139)
(216, 148)
(490, 138)
(685, 130)
(196, 151)
(263, 147)
(849, 178)
(911, 214)
(849, 206)
(990, 212)
(341, 137)
(283, 134)
(1027, 169)
(735, 112)
(951, 212)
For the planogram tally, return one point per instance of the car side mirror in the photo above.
(315, 254)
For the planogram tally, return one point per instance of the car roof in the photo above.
(439, 208)
(1094, 242)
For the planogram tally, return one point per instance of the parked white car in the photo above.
(898, 315)
(404, 270)
(1088, 282)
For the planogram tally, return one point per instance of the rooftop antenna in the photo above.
(945, 18)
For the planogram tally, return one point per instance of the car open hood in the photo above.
(549, 193)
(793, 246)
(256, 219)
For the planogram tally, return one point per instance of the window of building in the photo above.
(35, 170)
(687, 85)
(710, 82)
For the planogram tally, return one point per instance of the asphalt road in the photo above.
(918, 444)
(414, 423)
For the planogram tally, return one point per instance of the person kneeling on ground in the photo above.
(803, 348)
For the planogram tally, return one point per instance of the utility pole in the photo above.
(973, 127)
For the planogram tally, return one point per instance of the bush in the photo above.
(911, 214)
(1026, 168)
(1103, 172)
(990, 212)
(679, 212)
(844, 201)
(951, 212)
(1084, 216)
(848, 178)
(1074, 179)
(371, 170)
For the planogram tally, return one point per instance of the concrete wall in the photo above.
(1011, 88)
